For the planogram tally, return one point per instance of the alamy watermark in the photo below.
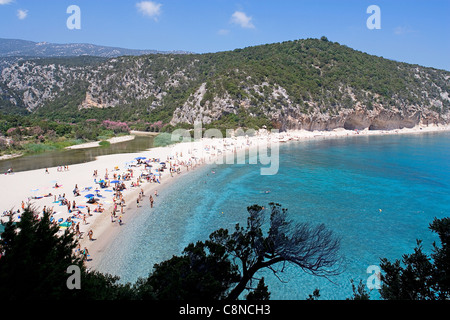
(74, 20)
(374, 21)
(74, 280)
(374, 280)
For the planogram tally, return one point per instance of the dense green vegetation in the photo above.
(312, 71)
(26, 134)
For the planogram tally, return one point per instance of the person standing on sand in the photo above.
(151, 201)
(77, 230)
(85, 254)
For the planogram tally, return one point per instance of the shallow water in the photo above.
(342, 183)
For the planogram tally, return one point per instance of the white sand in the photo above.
(97, 143)
(23, 186)
(26, 186)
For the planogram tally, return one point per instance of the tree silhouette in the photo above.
(35, 259)
(312, 248)
(225, 265)
(419, 276)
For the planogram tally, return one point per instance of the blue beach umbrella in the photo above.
(115, 181)
(90, 195)
(140, 158)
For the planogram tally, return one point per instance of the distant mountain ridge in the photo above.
(25, 48)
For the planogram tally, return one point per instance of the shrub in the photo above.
(116, 126)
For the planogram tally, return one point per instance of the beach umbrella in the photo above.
(140, 158)
(90, 195)
(115, 181)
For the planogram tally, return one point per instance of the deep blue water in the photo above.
(342, 183)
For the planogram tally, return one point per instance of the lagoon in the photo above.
(70, 157)
(377, 193)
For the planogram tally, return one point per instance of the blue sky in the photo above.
(412, 31)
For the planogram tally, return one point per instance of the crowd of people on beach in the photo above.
(110, 191)
(105, 194)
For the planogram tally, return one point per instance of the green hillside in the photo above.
(311, 84)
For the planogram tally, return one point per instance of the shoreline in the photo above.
(341, 132)
(95, 144)
(10, 156)
(98, 248)
(20, 186)
(107, 230)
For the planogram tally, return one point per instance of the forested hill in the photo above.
(304, 84)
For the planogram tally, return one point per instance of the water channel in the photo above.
(74, 156)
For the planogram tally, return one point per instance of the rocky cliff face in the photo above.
(299, 85)
(288, 115)
(360, 118)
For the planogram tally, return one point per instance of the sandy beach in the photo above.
(95, 144)
(44, 188)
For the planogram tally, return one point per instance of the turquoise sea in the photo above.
(341, 182)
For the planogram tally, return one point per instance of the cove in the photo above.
(378, 194)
